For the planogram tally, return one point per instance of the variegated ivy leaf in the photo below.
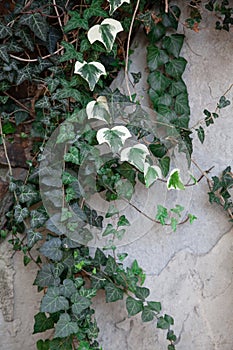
(151, 174)
(91, 72)
(174, 181)
(98, 109)
(105, 32)
(135, 155)
(114, 137)
(114, 4)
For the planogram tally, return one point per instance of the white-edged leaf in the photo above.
(114, 4)
(174, 181)
(114, 137)
(151, 174)
(98, 109)
(91, 72)
(105, 32)
(135, 155)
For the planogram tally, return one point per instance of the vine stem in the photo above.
(127, 49)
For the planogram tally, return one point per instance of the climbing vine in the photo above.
(57, 63)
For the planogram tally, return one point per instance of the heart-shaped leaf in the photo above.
(91, 72)
(98, 109)
(114, 137)
(151, 174)
(135, 155)
(114, 4)
(105, 32)
(174, 181)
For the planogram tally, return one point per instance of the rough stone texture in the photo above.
(190, 271)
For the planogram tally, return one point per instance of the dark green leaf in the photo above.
(201, 134)
(155, 306)
(80, 304)
(113, 293)
(20, 213)
(52, 301)
(173, 44)
(43, 345)
(156, 57)
(158, 150)
(51, 249)
(171, 19)
(76, 22)
(42, 323)
(182, 104)
(133, 306)
(159, 82)
(111, 266)
(162, 323)
(37, 23)
(164, 164)
(68, 288)
(33, 237)
(71, 53)
(5, 31)
(27, 193)
(8, 128)
(157, 32)
(65, 327)
(95, 10)
(26, 39)
(142, 293)
(147, 314)
(61, 344)
(47, 277)
(38, 218)
(177, 87)
(3, 53)
(122, 221)
(171, 336)
(176, 67)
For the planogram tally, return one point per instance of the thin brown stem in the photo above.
(127, 49)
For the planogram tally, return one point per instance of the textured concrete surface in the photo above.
(190, 270)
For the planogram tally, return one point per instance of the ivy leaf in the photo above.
(133, 306)
(46, 276)
(156, 57)
(174, 223)
(165, 322)
(173, 44)
(20, 213)
(158, 81)
(158, 150)
(70, 53)
(61, 344)
(38, 218)
(174, 181)
(223, 102)
(3, 53)
(73, 156)
(91, 72)
(142, 293)
(26, 39)
(65, 327)
(5, 31)
(27, 193)
(122, 221)
(80, 304)
(135, 155)
(147, 314)
(182, 104)
(98, 109)
(42, 323)
(124, 189)
(94, 10)
(114, 137)
(112, 210)
(155, 306)
(66, 133)
(201, 134)
(52, 301)
(37, 23)
(175, 68)
(23, 74)
(51, 249)
(43, 345)
(67, 178)
(33, 237)
(76, 22)
(114, 4)
(177, 87)
(113, 293)
(109, 230)
(151, 174)
(105, 32)
(111, 266)
(162, 214)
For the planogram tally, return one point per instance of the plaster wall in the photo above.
(190, 270)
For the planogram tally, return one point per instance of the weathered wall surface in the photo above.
(190, 271)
